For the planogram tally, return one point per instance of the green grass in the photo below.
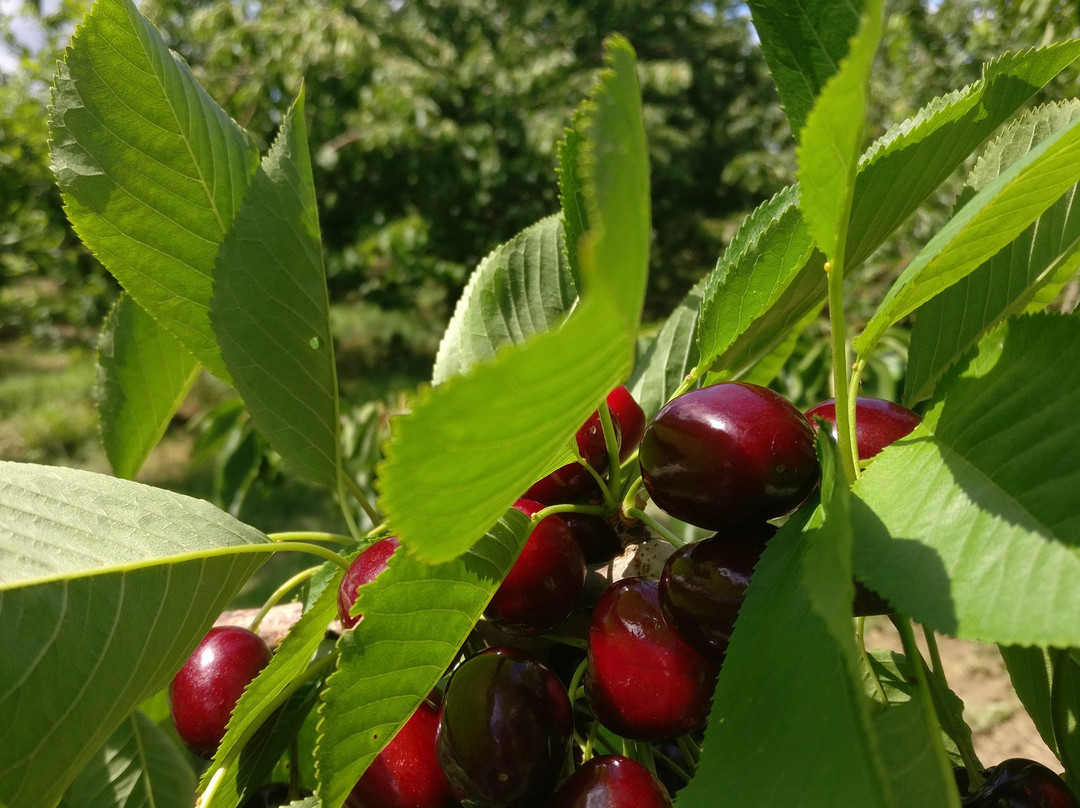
(47, 412)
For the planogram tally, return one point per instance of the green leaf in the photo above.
(982, 488)
(571, 191)
(912, 159)
(1065, 709)
(523, 288)
(416, 618)
(803, 42)
(1042, 258)
(912, 758)
(106, 588)
(747, 311)
(1031, 671)
(832, 139)
(144, 375)
(996, 215)
(767, 280)
(668, 356)
(270, 309)
(473, 444)
(152, 171)
(137, 767)
(241, 769)
(794, 637)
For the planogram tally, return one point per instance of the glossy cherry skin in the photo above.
(704, 583)
(877, 422)
(363, 570)
(545, 582)
(611, 781)
(204, 692)
(1021, 783)
(630, 418)
(406, 773)
(728, 454)
(573, 482)
(595, 535)
(642, 680)
(504, 730)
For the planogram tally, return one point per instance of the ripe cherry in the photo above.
(642, 680)
(504, 730)
(573, 482)
(704, 583)
(877, 422)
(1021, 783)
(611, 781)
(728, 454)
(363, 570)
(406, 773)
(204, 692)
(595, 535)
(544, 585)
(630, 418)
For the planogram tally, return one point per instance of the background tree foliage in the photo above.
(433, 128)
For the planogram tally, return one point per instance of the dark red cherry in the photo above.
(1022, 783)
(728, 454)
(595, 535)
(544, 585)
(611, 781)
(704, 584)
(204, 692)
(363, 570)
(630, 418)
(877, 422)
(504, 730)
(406, 773)
(573, 482)
(642, 680)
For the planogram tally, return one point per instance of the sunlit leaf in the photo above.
(143, 376)
(968, 525)
(473, 444)
(138, 767)
(416, 618)
(1039, 261)
(106, 588)
(270, 309)
(152, 171)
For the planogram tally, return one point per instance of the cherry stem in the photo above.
(676, 769)
(844, 425)
(283, 541)
(354, 489)
(656, 527)
(278, 594)
(311, 535)
(691, 750)
(551, 510)
(614, 482)
(939, 685)
(575, 680)
(644, 755)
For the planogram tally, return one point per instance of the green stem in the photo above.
(860, 638)
(575, 680)
(614, 482)
(295, 546)
(551, 510)
(656, 527)
(343, 506)
(310, 535)
(691, 751)
(315, 669)
(939, 686)
(354, 489)
(844, 426)
(278, 594)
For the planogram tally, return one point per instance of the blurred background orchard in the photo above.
(433, 129)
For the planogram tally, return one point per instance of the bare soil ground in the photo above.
(999, 724)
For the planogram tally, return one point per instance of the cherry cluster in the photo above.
(528, 718)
